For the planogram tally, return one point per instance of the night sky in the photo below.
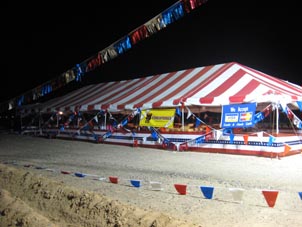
(38, 44)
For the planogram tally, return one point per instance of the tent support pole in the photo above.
(105, 121)
(277, 120)
(21, 124)
(182, 118)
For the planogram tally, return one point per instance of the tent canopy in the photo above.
(209, 86)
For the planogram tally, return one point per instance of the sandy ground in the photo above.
(35, 192)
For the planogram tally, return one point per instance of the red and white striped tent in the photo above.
(210, 86)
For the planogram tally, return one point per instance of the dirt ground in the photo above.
(52, 182)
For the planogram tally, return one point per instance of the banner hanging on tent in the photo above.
(238, 115)
(157, 118)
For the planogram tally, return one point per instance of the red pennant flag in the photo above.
(181, 188)
(113, 180)
(246, 139)
(65, 172)
(270, 197)
(208, 129)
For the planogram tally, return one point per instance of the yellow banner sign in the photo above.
(157, 118)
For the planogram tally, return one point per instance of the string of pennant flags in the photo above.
(170, 15)
(207, 191)
(166, 143)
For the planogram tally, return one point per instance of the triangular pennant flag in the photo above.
(156, 185)
(197, 122)
(135, 143)
(232, 138)
(246, 139)
(189, 113)
(300, 195)
(260, 134)
(271, 140)
(181, 188)
(270, 197)
(200, 139)
(299, 103)
(218, 134)
(135, 183)
(286, 149)
(207, 191)
(79, 174)
(237, 194)
(208, 129)
(65, 172)
(154, 135)
(113, 180)
(96, 119)
(178, 112)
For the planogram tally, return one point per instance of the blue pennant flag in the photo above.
(166, 141)
(178, 112)
(299, 103)
(197, 122)
(154, 135)
(107, 134)
(232, 138)
(136, 183)
(200, 139)
(207, 191)
(96, 137)
(271, 140)
(258, 117)
(124, 122)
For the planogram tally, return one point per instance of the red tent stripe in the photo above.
(248, 88)
(142, 91)
(281, 85)
(52, 104)
(70, 99)
(223, 87)
(209, 72)
(124, 88)
(66, 100)
(150, 89)
(96, 92)
(176, 90)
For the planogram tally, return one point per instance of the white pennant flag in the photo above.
(218, 134)
(156, 186)
(96, 119)
(260, 135)
(237, 194)
(189, 113)
(296, 120)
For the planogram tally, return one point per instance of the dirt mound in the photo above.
(30, 200)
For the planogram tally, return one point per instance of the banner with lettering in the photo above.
(157, 118)
(238, 115)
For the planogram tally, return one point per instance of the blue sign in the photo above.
(238, 115)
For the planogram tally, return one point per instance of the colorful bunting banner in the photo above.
(159, 22)
(270, 196)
